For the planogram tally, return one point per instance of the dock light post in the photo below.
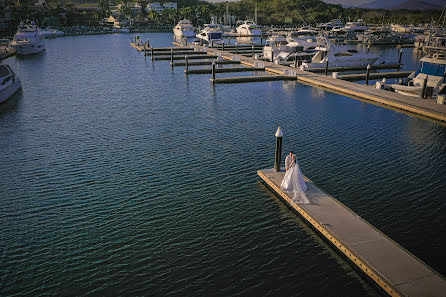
(171, 57)
(213, 72)
(223, 46)
(278, 154)
(261, 39)
(252, 51)
(367, 75)
(326, 67)
(187, 64)
(236, 48)
(399, 58)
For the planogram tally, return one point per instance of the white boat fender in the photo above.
(435, 56)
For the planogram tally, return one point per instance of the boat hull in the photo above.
(24, 49)
(9, 91)
(352, 63)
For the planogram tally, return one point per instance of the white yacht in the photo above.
(357, 27)
(211, 34)
(249, 28)
(184, 29)
(50, 32)
(433, 69)
(9, 83)
(28, 39)
(307, 42)
(273, 46)
(279, 50)
(335, 23)
(338, 56)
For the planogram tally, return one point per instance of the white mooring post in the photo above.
(278, 154)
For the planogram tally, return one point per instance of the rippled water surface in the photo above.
(123, 177)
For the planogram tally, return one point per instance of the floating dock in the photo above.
(223, 70)
(393, 268)
(374, 75)
(356, 68)
(253, 78)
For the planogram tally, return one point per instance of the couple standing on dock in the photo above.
(293, 181)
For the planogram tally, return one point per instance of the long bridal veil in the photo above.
(293, 182)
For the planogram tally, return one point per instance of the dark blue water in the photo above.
(123, 177)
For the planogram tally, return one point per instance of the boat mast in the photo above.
(255, 14)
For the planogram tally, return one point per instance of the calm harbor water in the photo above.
(123, 177)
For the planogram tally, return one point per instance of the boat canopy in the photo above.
(432, 69)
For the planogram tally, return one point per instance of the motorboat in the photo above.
(184, 29)
(433, 71)
(335, 23)
(338, 56)
(249, 28)
(380, 36)
(211, 34)
(124, 30)
(307, 42)
(303, 33)
(357, 26)
(50, 32)
(280, 51)
(28, 39)
(273, 46)
(9, 83)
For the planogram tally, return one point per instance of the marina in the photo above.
(245, 218)
(149, 168)
(426, 108)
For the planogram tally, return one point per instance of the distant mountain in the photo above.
(391, 4)
(403, 4)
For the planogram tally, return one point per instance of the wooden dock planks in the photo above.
(223, 70)
(393, 268)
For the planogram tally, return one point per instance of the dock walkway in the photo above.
(393, 268)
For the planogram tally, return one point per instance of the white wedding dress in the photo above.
(293, 182)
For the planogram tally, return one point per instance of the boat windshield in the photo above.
(432, 69)
(4, 72)
(215, 35)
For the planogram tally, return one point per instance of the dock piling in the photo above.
(151, 52)
(399, 58)
(236, 48)
(367, 75)
(187, 64)
(213, 72)
(278, 153)
(423, 93)
(171, 58)
(326, 67)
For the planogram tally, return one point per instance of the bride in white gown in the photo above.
(293, 181)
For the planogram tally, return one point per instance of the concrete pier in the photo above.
(389, 265)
